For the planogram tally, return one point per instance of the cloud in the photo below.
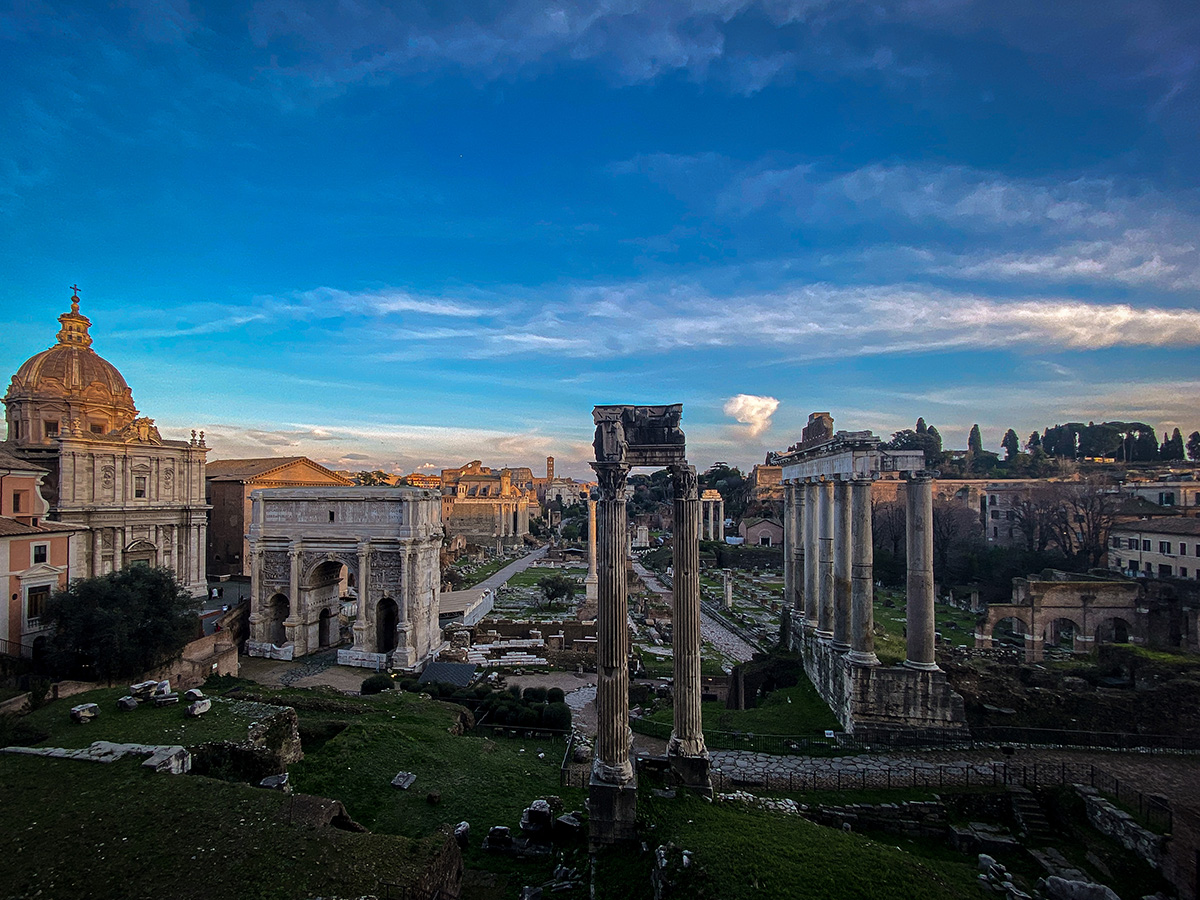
(752, 411)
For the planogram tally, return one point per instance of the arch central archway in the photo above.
(279, 608)
(387, 617)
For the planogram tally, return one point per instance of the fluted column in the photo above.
(687, 738)
(825, 560)
(812, 574)
(613, 738)
(789, 541)
(797, 524)
(97, 564)
(841, 567)
(119, 550)
(919, 541)
(256, 600)
(862, 577)
(293, 618)
(720, 535)
(362, 634)
(591, 580)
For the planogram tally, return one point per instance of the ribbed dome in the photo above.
(71, 380)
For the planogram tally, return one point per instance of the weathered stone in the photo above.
(275, 782)
(568, 825)
(143, 690)
(163, 688)
(84, 713)
(1061, 889)
(193, 695)
(166, 699)
(403, 780)
(462, 834)
(199, 708)
(499, 838)
(127, 703)
(171, 760)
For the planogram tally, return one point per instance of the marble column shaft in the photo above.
(294, 582)
(796, 521)
(613, 738)
(862, 577)
(119, 551)
(841, 566)
(919, 604)
(789, 541)
(97, 566)
(688, 736)
(812, 567)
(825, 560)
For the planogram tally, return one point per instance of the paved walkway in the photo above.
(711, 629)
(499, 578)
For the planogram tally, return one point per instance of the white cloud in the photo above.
(752, 411)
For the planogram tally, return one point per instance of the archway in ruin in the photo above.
(1113, 630)
(1010, 632)
(1061, 633)
(327, 629)
(386, 620)
(279, 609)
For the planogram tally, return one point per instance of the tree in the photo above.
(974, 441)
(1034, 444)
(1011, 444)
(924, 438)
(1193, 446)
(1084, 514)
(1172, 447)
(1035, 515)
(956, 530)
(557, 588)
(374, 478)
(120, 625)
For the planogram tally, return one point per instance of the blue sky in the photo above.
(408, 234)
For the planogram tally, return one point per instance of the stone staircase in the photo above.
(1031, 819)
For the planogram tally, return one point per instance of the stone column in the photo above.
(720, 535)
(362, 632)
(590, 582)
(727, 584)
(256, 617)
(812, 574)
(119, 550)
(97, 564)
(825, 560)
(797, 525)
(841, 567)
(789, 541)
(613, 736)
(687, 739)
(919, 542)
(862, 577)
(290, 630)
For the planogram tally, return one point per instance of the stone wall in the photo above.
(912, 818)
(1120, 826)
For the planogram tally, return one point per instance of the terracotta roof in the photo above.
(11, 461)
(1161, 526)
(243, 469)
(12, 527)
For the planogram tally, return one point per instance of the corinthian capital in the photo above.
(684, 482)
(611, 477)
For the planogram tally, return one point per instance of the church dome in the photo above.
(67, 385)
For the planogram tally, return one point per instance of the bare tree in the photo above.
(1035, 515)
(887, 525)
(955, 529)
(1085, 514)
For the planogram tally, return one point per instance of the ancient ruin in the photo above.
(829, 583)
(629, 436)
(379, 545)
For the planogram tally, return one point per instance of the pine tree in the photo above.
(1193, 446)
(974, 441)
(1034, 443)
(1011, 444)
(921, 427)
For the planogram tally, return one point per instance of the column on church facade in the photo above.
(841, 566)
(918, 612)
(812, 566)
(97, 566)
(613, 737)
(118, 548)
(862, 577)
(688, 736)
(825, 562)
(789, 541)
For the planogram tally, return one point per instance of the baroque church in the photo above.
(140, 497)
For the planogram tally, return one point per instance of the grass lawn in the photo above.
(890, 646)
(531, 576)
(795, 710)
(740, 852)
(91, 830)
(225, 721)
(483, 572)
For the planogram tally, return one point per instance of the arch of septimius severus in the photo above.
(829, 584)
(629, 436)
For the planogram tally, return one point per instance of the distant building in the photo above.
(1158, 548)
(424, 480)
(766, 483)
(1176, 493)
(228, 483)
(70, 413)
(758, 532)
(37, 557)
(485, 507)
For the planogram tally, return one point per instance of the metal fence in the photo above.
(1154, 812)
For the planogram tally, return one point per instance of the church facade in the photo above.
(141, 497)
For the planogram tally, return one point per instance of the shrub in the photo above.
(555, 695)
(377, 683)
(557, 716)
(535, 695)
(528, 718)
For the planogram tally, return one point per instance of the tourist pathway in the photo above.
(711, 628)
(499, 578)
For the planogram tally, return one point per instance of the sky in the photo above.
(403, 235)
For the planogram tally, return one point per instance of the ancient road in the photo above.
(520, 565)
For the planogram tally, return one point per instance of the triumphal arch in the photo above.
(375, 549)
(626, 437)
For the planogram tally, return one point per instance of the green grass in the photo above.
(890, 646)
(485, 571)
(531, 576)
(741, 852)
(99, 831)
(807, 713)
(144, 725)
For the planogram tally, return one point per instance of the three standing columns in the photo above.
(613, 738)
(687, 739)
(919, 543)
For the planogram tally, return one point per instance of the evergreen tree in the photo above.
(974, 441)
(1011, 444)
(1034, 444)
(921, 427)
(1193, 446)
(1172, 447)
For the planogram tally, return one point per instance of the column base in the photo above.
(922, 666)
(824, 637)
(591, 586)
(858, 658)
(692, 772)
(839, 647)
(612, 813)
